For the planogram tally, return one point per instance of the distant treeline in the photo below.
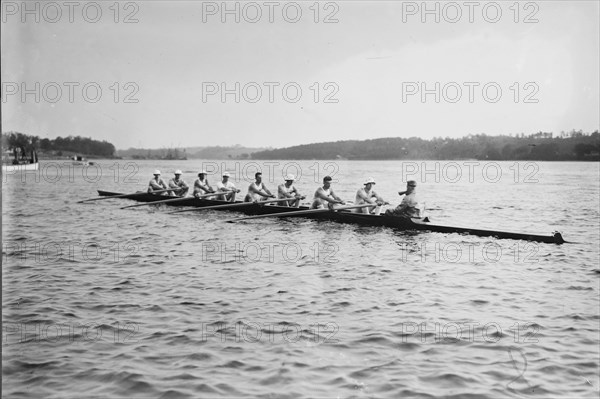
(77, 144)
(569, 146)
(162, 153)
(216, 152)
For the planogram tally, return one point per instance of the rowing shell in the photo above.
(353, 218)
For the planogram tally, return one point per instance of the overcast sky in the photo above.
(368, 66)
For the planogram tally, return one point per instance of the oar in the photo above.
(165, 201)
(298, 213)
(124, 195)
(230, 205)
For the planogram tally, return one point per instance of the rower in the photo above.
(178, 185)
(257, 190)
(288, 190)
(157, 183)
(409, 207)
(201, 185)
(226, 189)
(325, 196)
(367, 195)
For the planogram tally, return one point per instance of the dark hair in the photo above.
(327, 178)
(257, 174)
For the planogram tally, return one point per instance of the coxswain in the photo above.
(366, 195)
(226, 189)
(180, 187)
(157, 183)
(324, 196)
(201, 185)
(257, 191)
(288, 190)
(409, 207)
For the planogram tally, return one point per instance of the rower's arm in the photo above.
(365, 197)
(263, 193)
(379, 198)
(199, 187)
(229, 190)
(154, 185)
(337, 200)
(282, 193)
(266, 190)
(321, 195)
(253, 188)
(361, 194)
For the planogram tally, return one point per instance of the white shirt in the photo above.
(201, 186)
(318, 201)
(253, 190)
(361, 194)
(228, 186)
(282, 190)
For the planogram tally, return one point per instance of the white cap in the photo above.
(226, 174)
(289, 177)
(369, 180)
(202, 172)
(178, 172)
(157, 172)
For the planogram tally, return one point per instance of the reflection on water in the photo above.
(100, 301)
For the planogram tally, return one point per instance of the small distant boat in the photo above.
(16, 161)
(79, 160)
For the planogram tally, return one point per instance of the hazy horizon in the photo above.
(555, 135)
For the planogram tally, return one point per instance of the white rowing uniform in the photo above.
(225, 189)
(282, 190)
(319, 202)
(253, 194)
(154, 185)
(287, 192)
(201, 186)
(178, 184)
(361, 194)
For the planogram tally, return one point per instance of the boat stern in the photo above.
(558, 238)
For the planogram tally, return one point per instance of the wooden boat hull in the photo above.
(349, 217)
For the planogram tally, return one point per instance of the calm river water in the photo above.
(106, 302)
